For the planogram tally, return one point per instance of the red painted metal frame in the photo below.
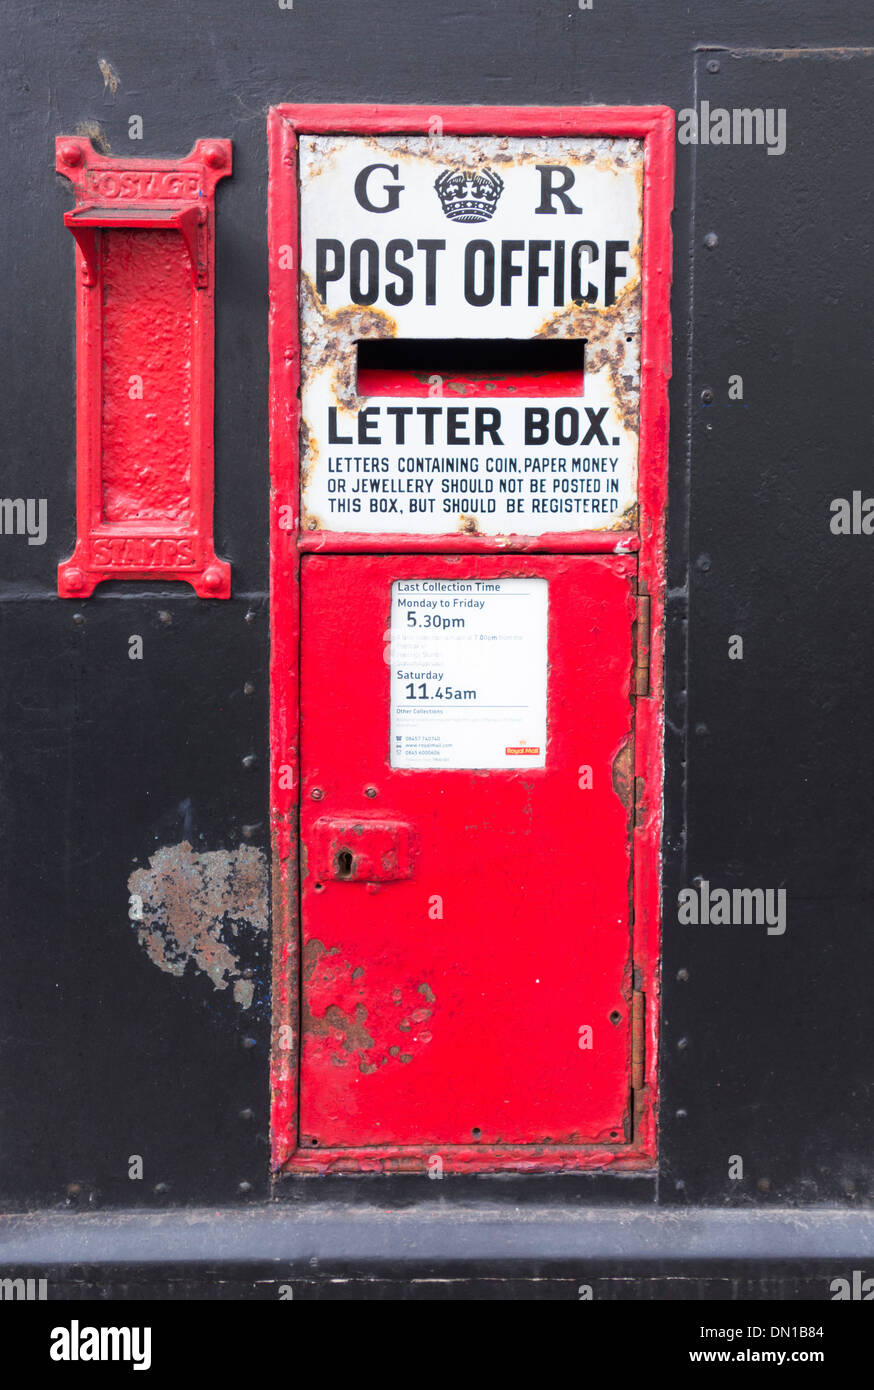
(655, 125)
(143, 195)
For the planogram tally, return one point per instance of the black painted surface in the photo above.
(779, 1027)
(105, 759)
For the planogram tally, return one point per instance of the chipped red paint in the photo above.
(144, 231)
(641, 540)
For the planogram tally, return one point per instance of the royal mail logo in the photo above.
(469, 195)
(524, 750)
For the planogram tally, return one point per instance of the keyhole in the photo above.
(345, 863)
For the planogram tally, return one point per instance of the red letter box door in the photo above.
(466, 950)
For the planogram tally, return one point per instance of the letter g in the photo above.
(392, 191)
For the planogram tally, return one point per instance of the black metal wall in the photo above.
(767, 1039)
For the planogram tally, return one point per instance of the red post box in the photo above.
(470, 350)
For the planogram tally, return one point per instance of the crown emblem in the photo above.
(469, 195)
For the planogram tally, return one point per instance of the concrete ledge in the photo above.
(438, 1235)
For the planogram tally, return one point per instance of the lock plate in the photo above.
(361, 851)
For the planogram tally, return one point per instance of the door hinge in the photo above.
(638, 1039)
(641, 653)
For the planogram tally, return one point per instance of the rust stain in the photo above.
(638, 1040)
(309, 452)
(312, 953)
(641, 808)
(628, 520)
(353, 1034)
(623, 786)
(110, 76)
(328, 337)
(612, 344)
(90, 130)
(193, 907)
(607, 153)
(285, 1039)
(467, 524)
(623, 774)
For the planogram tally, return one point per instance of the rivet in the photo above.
(247, 1114)
(214, 156)
(212, 578)
(683, 975)
(370, 791)
(79, 619)
(681, 1114)
(249, 761)
(164, 617)
(248, 688)
(707, 396)
(317, 793)
(711, 240)
(247, 1042)
(244, 1187)
(72, 154)
(160, 1188)
(251, 615)
(74, 579)
(682, 1044)
(713, 65)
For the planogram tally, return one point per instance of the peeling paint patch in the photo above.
(193, 908)
(90, 130)
(341, 1013)
(623, 773)
(110, 76)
